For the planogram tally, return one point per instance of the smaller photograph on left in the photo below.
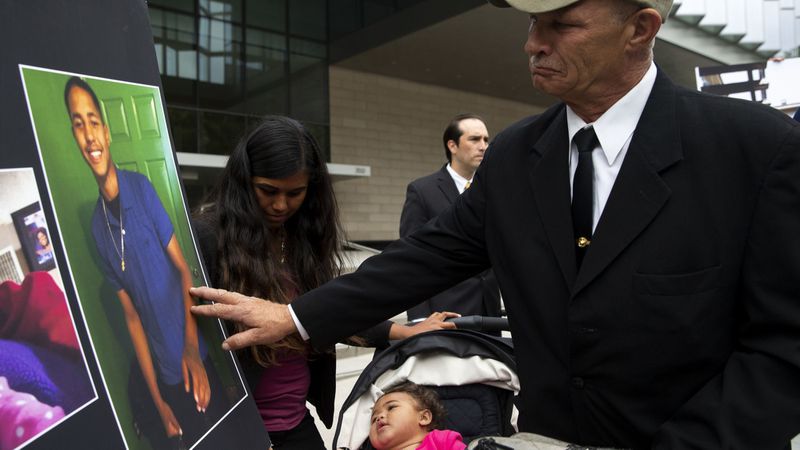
(44, 378)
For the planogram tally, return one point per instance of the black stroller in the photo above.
(473, 373)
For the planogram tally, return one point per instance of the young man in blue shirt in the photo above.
(141, 258)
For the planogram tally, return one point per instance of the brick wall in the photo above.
(395, 127)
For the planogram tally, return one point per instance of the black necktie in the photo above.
(582, 192)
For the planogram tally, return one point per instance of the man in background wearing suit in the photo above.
(645, 238)
(465, 140)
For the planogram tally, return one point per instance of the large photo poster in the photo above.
(114, 187)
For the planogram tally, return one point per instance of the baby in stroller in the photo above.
(473, 374)
(408, 416)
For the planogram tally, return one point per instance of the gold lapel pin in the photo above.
(583, 242)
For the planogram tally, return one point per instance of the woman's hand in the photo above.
(435, 321)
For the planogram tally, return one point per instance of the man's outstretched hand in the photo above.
(266, 322)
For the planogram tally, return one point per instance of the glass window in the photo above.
(321, 133)
(219, 65)
(174, 36)
(227, 10)
(305, 53)
(157, 22)
(227, 63)
(219, 45)
(307, 18)
(198, 189)
(182, 5)
(268, 99)
(309, 71)
(266, 69)
(175, 27)
(219, 132)
(183, 123)
(270, 14)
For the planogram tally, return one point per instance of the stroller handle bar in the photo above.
(480, 323)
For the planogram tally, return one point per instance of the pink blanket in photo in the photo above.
(22, 416)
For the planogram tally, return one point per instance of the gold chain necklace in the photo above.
(121, 253)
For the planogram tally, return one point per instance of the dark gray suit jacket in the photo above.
(426, 198)
(681, 330)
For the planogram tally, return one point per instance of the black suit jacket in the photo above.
(682, 328)
(426, 198)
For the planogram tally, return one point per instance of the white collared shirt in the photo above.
(614, 131)
(461, 182)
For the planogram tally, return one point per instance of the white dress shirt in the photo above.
(461, 182)
(614, 131)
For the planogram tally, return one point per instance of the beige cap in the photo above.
(541, 6)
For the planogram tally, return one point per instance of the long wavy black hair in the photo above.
(277, 148)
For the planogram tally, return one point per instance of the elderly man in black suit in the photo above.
(465, 141)
(645, 238)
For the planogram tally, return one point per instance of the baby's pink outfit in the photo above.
(442, 440)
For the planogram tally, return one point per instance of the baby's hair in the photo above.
(425, 398)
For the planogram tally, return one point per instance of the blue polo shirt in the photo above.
(150, 278)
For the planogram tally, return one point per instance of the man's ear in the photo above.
(452, 146)
(108, 134)
(425, 418)
(646, 23)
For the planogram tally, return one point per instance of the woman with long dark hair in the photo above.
(272, 230)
